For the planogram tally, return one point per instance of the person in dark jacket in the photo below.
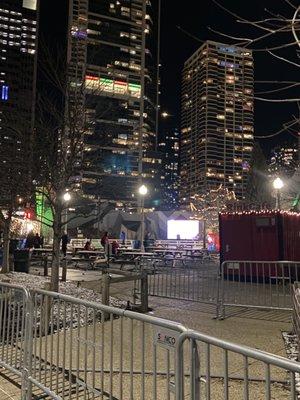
(37, 241)
(30, 240)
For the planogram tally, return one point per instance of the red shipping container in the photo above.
(260, 236)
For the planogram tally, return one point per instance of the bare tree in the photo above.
(15, 178)
(63, 129)
(207, 207)
(61, 126)
(258, 185)
(276, 35)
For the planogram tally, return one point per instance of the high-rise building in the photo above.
(217, 120)
(169, 149)
(113, 49)
(18, 42)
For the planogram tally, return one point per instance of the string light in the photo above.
(262, 212)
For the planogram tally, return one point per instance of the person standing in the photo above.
(105, 243)
(123, 237)
(37, 241)
(29, 244)
(64, 243)
(104, 239)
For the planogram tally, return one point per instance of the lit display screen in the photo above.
(181, 229)
(112, 86)
(31, 4)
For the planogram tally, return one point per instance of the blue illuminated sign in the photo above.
(4, 93)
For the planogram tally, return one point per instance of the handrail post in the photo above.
(105, 291)
(144, 292)
(26, 389)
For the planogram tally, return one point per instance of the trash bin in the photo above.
(21, 260)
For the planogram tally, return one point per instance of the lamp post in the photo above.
(278, 185)
(143, 190)
(67, 198)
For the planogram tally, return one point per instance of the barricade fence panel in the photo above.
(215, 369)
(257, 284)
(82, 350)
(66, 348)
(296, 313)
(194, 282)
(13, 333)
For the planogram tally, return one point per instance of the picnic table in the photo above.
(42, 250)
(91, 257)
(91, 253)
(131, 257)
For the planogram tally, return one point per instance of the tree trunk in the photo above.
(6, 239)
(56, 251)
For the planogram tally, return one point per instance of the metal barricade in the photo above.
(197, 283)
(256, 284)
(15, 333)
(209, 368)
(84, 350)
(61, 347)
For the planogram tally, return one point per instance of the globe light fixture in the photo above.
(278, 184)
(67, 196)
(143, 190)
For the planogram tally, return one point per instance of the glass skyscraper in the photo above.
(113, 49)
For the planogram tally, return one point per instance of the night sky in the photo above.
(176, 46)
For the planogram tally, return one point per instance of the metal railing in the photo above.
(210, 368)
(296, 313)
(15, 332)
(198, 283)
(68, 348)
(256, 284)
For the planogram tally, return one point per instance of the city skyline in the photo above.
(110, 156)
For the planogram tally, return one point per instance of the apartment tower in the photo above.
(18, 42)
(217, 120)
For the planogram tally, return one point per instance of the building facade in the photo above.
(217, 120)
(18, 60)
(113, 49)
(169, 149)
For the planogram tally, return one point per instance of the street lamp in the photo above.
(143, 190)
(278, 185)
(67, 198)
